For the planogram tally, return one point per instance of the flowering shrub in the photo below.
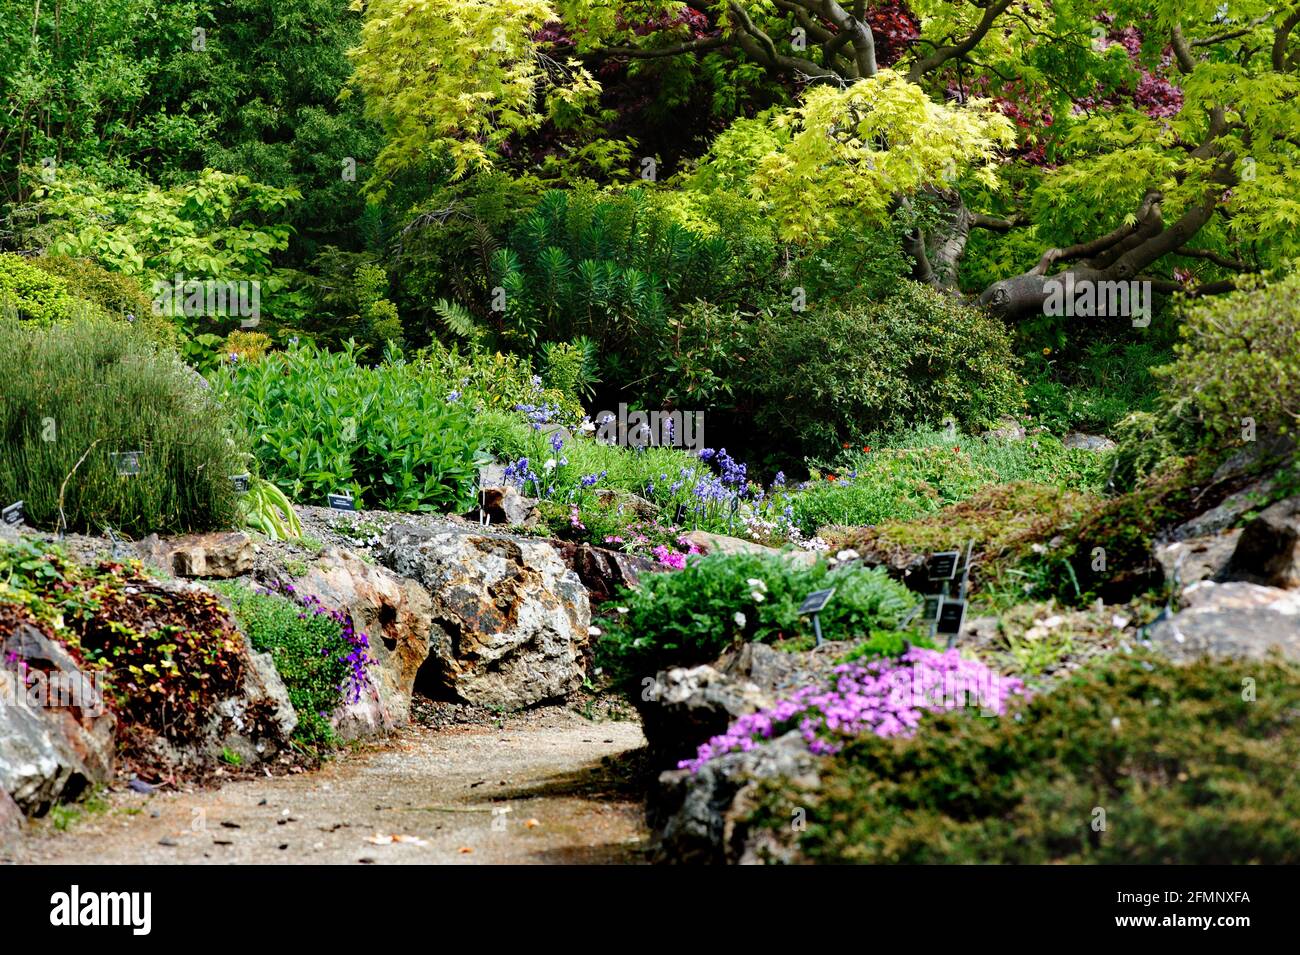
(318, 654)
(884, 697)
(691, 616)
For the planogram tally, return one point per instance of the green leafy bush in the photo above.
(1187, 770)
(825, 377)
(34, 294)
(1239, 358)
(1095, 391)
(325, 424)
(74, 395)
(690, 616)
(493, 381)
(315, 653)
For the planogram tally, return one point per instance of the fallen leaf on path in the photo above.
(384, 839)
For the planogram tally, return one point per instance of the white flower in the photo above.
(739, 618)
(621, 609)
(594, 631)
(1053, 622)
(758, 597)
(757, 584)
(587, 425)
(549, 465)
(1119, 622)
(1038, 549)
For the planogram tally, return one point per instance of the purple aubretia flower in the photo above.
(884, 697)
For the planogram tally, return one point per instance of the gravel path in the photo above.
(541, 789)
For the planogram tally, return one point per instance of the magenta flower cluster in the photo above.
(884, 697)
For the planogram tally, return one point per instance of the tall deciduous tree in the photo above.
(1158, 138)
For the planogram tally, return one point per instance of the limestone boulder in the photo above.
(395, 614)
(510, 621)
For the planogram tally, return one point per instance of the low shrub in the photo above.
(34, 294)
(326, 424)
(320, 658)
(492, 381)
(1239, 358)
(167, 655)
(75, 396)
(1183, 765)
(690, 616)
(111, 293)
(824, 377)
(905, 475)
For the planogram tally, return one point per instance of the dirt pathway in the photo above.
(533, 791)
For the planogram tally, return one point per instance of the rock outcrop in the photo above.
(200, 555)
(710, 543)
(395, 614)
(56, 732)
(1268, 550)
(509, 620)
(683, 707)
(505, 506)
(1078, 441)
(1231, 619)
(699, 815)
(1185, 562)
(603, 571)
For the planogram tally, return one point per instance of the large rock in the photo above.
(201, 555)
(683, 707)
(1226, 513)
(504, 505)
(66, 695)
(1197, 558)
(603, 572)
(1078, 441)
(56, 732)
(11, 817)
(1233, 619)
(395, 613)
(699, 815)
(253, 722)
(626, 502)
(510, 620)
(1268, 551)
(710, 543)
(37, 767)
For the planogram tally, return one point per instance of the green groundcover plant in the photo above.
(690, 616)
(320, 658)
(77, 398)
(1137, 761)
(324, 424)
(907, 474)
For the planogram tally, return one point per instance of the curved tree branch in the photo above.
(943, 54)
